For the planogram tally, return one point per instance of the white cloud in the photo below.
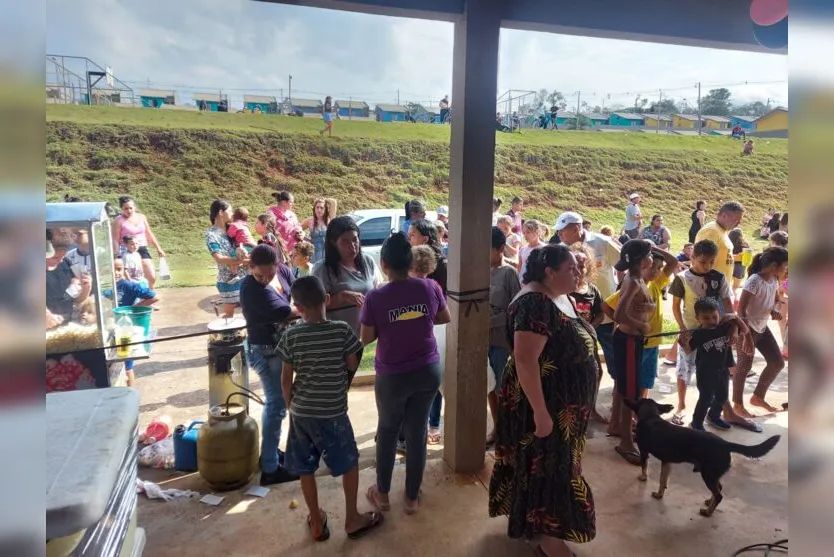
(238, 44)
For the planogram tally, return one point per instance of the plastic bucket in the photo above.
(140, 316)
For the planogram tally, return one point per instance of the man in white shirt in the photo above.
(570, 231)
(634, 218)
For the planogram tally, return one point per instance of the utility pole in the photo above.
(398, 97)
(657, 110)
(289, 91)
(578, 95)
(699, 108)
(350, 108)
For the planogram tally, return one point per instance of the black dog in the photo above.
(669, 443)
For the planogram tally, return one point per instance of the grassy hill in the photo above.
(176, 162)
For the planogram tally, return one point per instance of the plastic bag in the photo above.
(159, 455)
(164, 271)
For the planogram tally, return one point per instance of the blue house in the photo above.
(156, 98)
(352, 109)
(746, 122)
(254, 103)
(597, 120)
(305, 106)
(390, 113)
(212, 100)
(625, 119)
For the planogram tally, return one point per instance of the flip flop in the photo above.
(632, 457)
(677, 419)
(748, 425)
(371, 495)
(376, 519)
(325, 531)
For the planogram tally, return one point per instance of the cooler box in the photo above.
(91, 473)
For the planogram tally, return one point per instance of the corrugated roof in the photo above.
(351, 104)
(691, 117)
(391, 108)
(595, 116)
(306, 103)
(258, 99)
(157, 93)
(744, 118)
(629, 115)
(661, 117)
(777, 109)
(208, 97)
(716, 118)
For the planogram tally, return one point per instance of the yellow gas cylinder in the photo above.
(227, 447)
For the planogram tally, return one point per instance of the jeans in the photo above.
(498, 357)
(436, 411)
(267, 365)
(404, 399)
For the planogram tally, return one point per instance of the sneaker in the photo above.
(401, 447)
(698, 427)
(669, 363)
(719, 423)
(279, 476)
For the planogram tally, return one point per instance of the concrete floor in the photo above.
(453, 517)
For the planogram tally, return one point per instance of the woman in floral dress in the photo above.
(231, 264)
(544, 404)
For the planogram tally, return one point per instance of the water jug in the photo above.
(227, 447)
(185, 447)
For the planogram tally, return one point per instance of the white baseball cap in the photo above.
(566, 219)
(634, 195)
(443, 210)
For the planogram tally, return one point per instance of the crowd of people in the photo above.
(559, 305)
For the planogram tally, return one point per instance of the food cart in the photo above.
(80, 299)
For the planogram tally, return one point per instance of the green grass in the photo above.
(176, 162)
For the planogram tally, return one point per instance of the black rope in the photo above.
(137, 343)
(780, 546)
(472, 299)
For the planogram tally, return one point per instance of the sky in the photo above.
(240, 46)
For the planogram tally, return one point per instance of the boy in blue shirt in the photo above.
(130, 293)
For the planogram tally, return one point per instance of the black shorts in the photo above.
(738, 270)
(144, 253)
(628, 360)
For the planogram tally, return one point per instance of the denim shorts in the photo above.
(498, 357)
(313, 439)
(648, 370)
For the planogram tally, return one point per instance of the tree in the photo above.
(584, 123)
(539, 100)
(665, 106)
(685, 107)
(716, 102)
(558, 99)
(755, 108)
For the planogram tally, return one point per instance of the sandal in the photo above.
(677, 419)
(749, 425)
(412, 505)
(325, 531)
(376, 519)
(632, 457)
(434, 435)
(373, 497)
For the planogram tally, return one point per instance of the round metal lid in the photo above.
(224, 324)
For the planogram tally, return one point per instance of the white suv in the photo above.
(375, 225)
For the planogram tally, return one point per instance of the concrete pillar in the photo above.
(474, 86)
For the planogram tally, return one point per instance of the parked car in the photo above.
(375, 225)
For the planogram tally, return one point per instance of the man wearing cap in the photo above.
(570, 231)
(443, 215)
(634, 218)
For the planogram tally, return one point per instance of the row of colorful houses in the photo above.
(775, 120)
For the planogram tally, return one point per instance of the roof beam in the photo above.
(721, 24)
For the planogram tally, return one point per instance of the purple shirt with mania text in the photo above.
(403, 313)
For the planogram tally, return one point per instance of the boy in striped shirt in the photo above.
(323, 355)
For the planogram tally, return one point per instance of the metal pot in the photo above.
(227, 447)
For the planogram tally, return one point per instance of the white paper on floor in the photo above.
(257, 491)
(153, 491)
(212, 499)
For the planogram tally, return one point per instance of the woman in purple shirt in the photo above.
(265, 301)
(401, 316)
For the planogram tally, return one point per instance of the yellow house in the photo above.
(686, 121)
(657, 121)
(775, 120)
(716, 122)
